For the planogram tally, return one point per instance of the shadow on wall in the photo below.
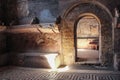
(3, 59)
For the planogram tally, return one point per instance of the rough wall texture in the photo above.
(45, 10)
(13, 11)
(3, 55)
(24, 40)
(10, 12)
(34, 41)
(110, 4)
(117, 41)
(2, 40)
(16, 12)
(71, 16)
(0, 10)
(68, 49)
(117, 49)
(25, 11)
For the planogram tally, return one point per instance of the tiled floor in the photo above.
(20, 73)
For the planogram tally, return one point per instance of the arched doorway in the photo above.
(71, 18)
(88, 40)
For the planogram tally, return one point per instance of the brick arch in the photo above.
(71, 15)
(70, 8)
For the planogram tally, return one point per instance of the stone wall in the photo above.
(69, 20)
(68, 49)
(3, 55)
(110, 4)
(10, 12)
(45, 10)
(2, 40)
(117, 49)
(28, 45)
(117, 41)
(14, 11)
(0, 9)
(25, 11)
(33, 38)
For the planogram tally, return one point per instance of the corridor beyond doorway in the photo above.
(88, 39)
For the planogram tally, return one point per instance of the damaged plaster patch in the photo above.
(46, 16)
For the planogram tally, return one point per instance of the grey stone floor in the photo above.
(22, 73)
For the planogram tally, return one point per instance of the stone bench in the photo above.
(36, 60)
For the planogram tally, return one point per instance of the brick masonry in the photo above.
(23, 40)
(72, 16)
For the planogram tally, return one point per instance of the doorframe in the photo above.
(75, 34)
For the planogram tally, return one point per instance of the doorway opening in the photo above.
(88, 39)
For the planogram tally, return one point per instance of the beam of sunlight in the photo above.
(51, 60)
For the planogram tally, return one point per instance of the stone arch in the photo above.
(71, 15)
(66, 12)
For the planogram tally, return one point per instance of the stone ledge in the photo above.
(38, 28)
(37, 54)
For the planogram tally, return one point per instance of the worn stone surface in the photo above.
(67, 43)
(14, 11)
(64, 5)
(33, 39)
(10, 12)
(117, 41)
(33, 59)
(3, 55)
(14, 73)
(24, 11)
(23, 41)
(0, 11)
(106, 31)
(2, 40)
(117, 49)
(22, 8)
(46, 11)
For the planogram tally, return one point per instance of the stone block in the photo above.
(36, 60)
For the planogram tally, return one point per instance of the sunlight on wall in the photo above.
(51, 58)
